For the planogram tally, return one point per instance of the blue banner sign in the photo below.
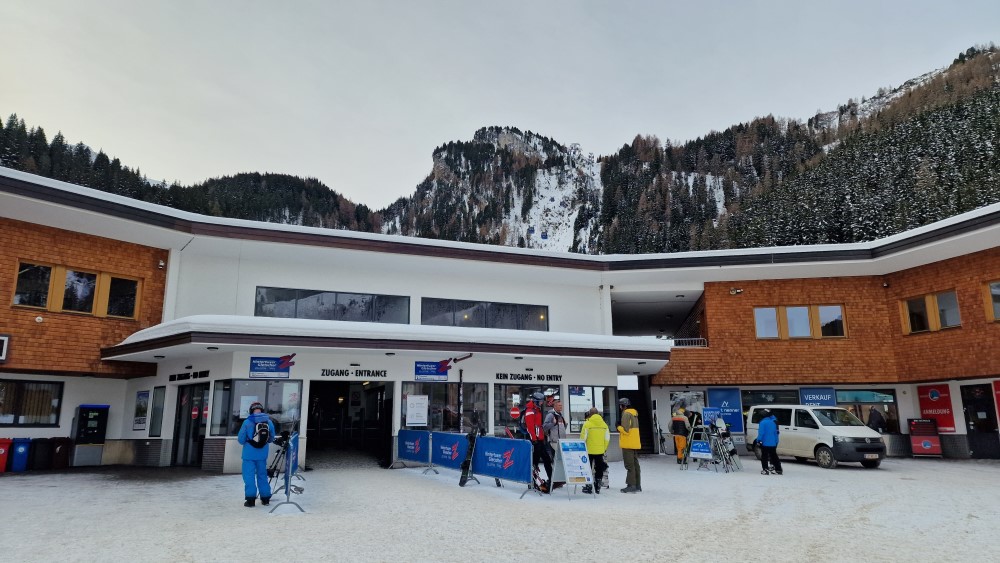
(502, 458)
(825, 396)
(700, 449)
(271, 368)
(430, 371)
(292, 461)
(729, 402)
(414, 445)
(449, 450)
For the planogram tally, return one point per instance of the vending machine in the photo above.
(89, 429)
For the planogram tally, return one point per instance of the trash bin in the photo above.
(61, 450)
(4, 450)
(40, 456)
(19, 454)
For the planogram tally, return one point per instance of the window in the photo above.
(232, 398)
(993, 301)
(288, 303)
(800, 322)
(156, 411)
(929, 313)
(30, 403)
(507, 396)
(454, 312)
(442, 405)
(90, 293)
(861, 402)
(782, 416)
(583, 398)
(804, 420)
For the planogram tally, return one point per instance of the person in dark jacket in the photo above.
(680, 427)
(875, 420)
(533, 423)
(252, 437)
(767, 435)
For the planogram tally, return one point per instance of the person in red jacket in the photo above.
(533, 420)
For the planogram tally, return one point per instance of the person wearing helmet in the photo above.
(533, 424)
(680, 427)
(628, 436)
(255, 434)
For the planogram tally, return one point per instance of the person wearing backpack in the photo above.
(255, 434)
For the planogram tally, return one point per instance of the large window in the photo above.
(861, 402)
(929, 313)
(232, 398)
(30, 403)
(506, 397)
(583, 398)
(331, 305)
(156, 411)
(58, 288)
(993, 300)
(483, 314)
(442, 405)
(799, 322)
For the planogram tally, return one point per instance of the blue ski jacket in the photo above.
(767, 431)
(246, 434)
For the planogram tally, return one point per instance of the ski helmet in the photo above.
(538, 396)
(624, 402)
(254, 406)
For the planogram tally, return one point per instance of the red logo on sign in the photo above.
(515, 412)
(194, 413)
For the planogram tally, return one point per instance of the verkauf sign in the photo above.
(935, 403)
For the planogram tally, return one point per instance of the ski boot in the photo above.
(250, 501)
(265, 501)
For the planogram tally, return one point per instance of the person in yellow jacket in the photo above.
(680, 427)
(596, 434)
(629, 439)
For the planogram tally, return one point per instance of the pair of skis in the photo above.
(476, 431)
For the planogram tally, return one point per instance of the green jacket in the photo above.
(596, 434)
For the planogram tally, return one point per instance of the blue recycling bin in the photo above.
(19, 454)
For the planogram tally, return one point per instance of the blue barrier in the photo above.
(414, 445)
(449, 450)
(502, 458)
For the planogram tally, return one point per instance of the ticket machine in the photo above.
(89, 429)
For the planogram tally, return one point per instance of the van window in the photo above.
(837, 417)
(804, 420)
(783, 416)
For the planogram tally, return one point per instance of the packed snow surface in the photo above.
(909, 510)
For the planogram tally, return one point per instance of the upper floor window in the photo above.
(331, 305)
(59, 288)
(799, 321)
(930, 312)
(993, 301)
(483, 314)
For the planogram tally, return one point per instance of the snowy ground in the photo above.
(928, 509)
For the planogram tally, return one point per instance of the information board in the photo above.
(575, 462)
(416, 410)
(701, 449)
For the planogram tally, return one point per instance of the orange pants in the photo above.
(680, 444)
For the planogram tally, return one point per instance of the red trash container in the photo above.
(4, 448)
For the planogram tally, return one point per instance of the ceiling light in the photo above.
(390, 353)
(159, 357)
(518, 357)
(213, 348)
(355, 365)
(680, 296)
(642, 363)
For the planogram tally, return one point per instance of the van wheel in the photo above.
(824, 458)
(758, 452)
(871, 463)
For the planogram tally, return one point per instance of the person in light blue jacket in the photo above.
(255, 434)
(767, 435)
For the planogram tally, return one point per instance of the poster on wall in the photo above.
(935, 402)
(416, 410)
(141, 408)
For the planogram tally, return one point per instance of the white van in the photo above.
(828, 434)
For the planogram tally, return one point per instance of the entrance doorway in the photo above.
(190, 424)
(350, 416)
(981, 421)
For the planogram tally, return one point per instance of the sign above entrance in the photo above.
(271, 368)
(431, 371)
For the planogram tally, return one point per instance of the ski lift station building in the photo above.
(178, 321)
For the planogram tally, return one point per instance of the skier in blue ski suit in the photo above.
(255, 457)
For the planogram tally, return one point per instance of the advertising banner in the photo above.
(824, 396)
(414, 445)
(935, 402)
(502, 458)
(141, 409)
(729, 402)
(430, 371)
(448, 449)
(576, 462)
(924, 439)
(271, 368)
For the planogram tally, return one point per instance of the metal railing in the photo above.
(689, 342)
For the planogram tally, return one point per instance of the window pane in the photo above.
(354, 307)
(505, 397)
(798, 322)
(917, 309)
(121, 297)
(275, 302)
(470, 313)
(583, 398)
(502, 315)
(322, 305)
(244, 392)
(283, 404)
(948, 309)
(39, 403)
(766, 319)
(79, 293)
(7, 389)
(221, 407)
(32, 285)
(995, 295)
(533, 317)
(156, 412)
(436, 312)
(831, 320)
(391, 309)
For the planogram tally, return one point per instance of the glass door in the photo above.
(190, 424)
(981, 421)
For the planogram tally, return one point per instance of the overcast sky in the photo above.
(358, 94)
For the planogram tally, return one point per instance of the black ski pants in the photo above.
(540, 452)
(769, 454)
(599, 466)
